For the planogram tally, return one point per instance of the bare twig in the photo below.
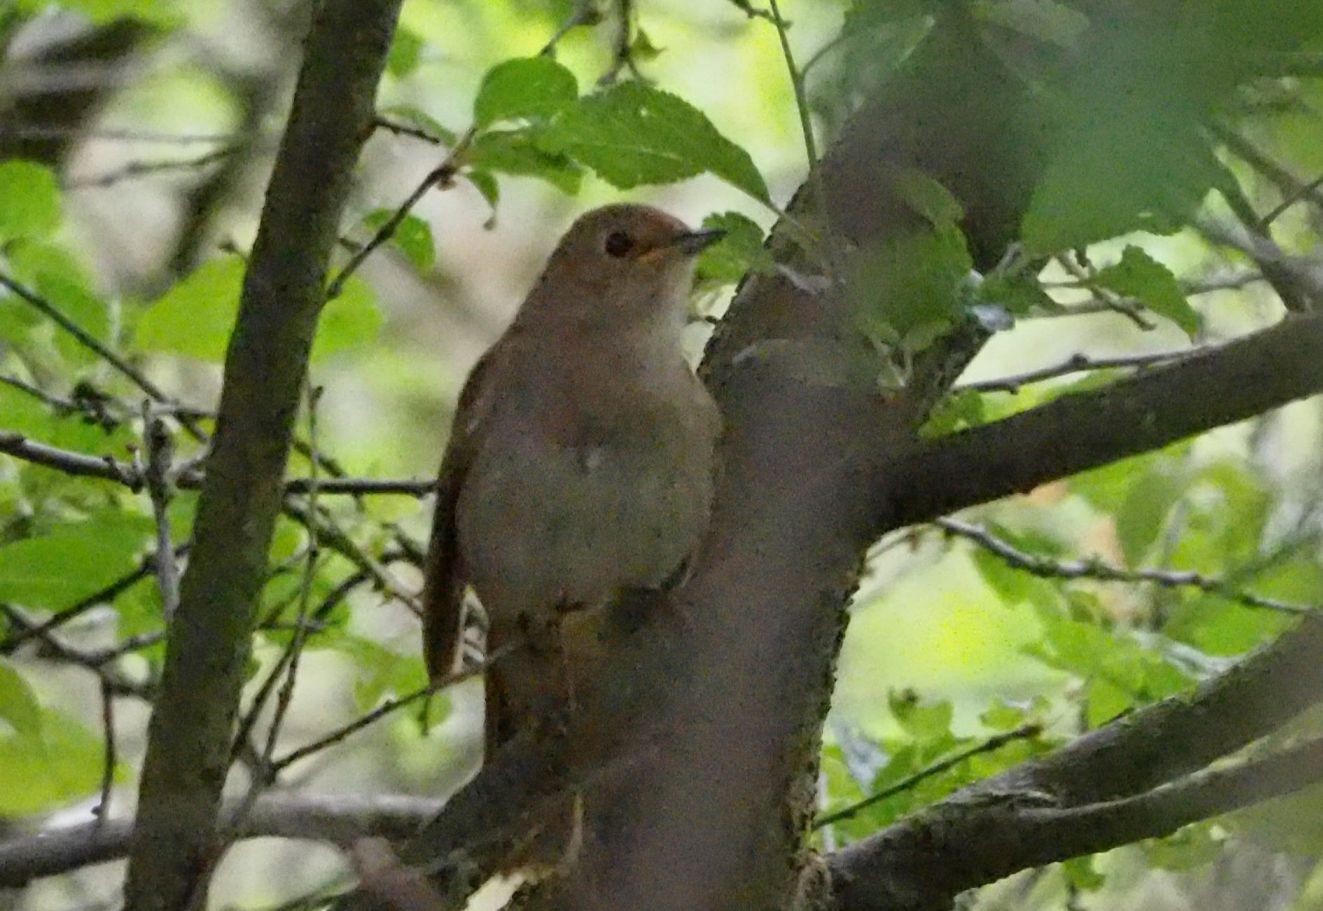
(1077, 363)
(42, 131)
(442, 176)
(404, 129)
(391, 706)
(993, 743)
(160, 449)
(102, 809)
(136, 169)
(1108, 299)
(1104, 572)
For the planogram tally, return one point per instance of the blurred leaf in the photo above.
(922, 721)
(926, 195)
(1140, 276)
(52, 571)
(632, 134)
(160, 12)
(1045, 20)
(1021, 295)
(1082, 873)
(906, 280)
(45, 770)
(350, 321)
(413, 237)
(405, 50)
(195, 316)
(1143, 513)
(485, 183)
(957, 410)
(517, 152)
(29, 200)
(18, 706)
(739, 252)
(532, 87)
(1189, 848)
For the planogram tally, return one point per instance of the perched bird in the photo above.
(580, 463)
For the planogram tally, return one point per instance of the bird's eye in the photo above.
(618, 243)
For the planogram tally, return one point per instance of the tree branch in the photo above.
(1128, 773)
(189, 734)
(339, 819)
(1137, 414)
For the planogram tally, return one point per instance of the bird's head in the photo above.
(620, 265)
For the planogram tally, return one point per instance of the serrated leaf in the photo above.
(413, 237)
(532, 87)
(517, 152)
(29, 200)
(739, 252)
(1142, 277)
(632, 134)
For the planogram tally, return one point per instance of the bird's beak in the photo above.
(694, 242)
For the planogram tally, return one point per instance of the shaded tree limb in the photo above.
(1137, 414)
(1136, 777)
(338, 818)
(283, 291)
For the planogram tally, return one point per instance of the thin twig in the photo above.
(404, 129)
(443, 176)
(160, 450)
(136, 169)
(1108, 299)
(43, 131)
(390, 706)
(102, 809)
(1103, 572)
(995, 742)
(103, 596)
(1079, 363)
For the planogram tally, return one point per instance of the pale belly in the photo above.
(547, 527)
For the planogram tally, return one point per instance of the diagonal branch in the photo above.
(1231, 383)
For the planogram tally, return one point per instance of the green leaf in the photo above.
(1142, 277)
(196, 316)
(1143, 513)
(905, 280)
(52, 571)
(516, 152)
(29, 200)
(926, 195)
(632, 134)
(532, 87)
(959, 409)
(1045, 20)
(739, 252)
(42, 771)
(413, 237)
(18, 706)
(922, 721)
(405, 51)
(160, 12)
(351, 320)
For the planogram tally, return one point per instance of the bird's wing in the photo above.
(444, 576)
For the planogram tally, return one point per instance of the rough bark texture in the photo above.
(716, 818)
(189, 736)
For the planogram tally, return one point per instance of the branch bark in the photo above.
(1136, 777)
(1137, 414)
(188, 738)
(338, 819)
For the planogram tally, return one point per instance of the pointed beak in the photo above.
(694, 242)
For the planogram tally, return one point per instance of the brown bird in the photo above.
(581, 459)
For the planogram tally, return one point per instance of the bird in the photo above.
(580, 464)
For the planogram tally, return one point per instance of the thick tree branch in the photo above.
(189, 735)
(1138, 776)
(1137, 414)
(335, 818)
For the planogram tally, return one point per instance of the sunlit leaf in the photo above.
(29, 200)
(534, 87)
(1142, 277)
(632, 134)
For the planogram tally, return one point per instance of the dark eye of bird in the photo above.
(618, 243)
